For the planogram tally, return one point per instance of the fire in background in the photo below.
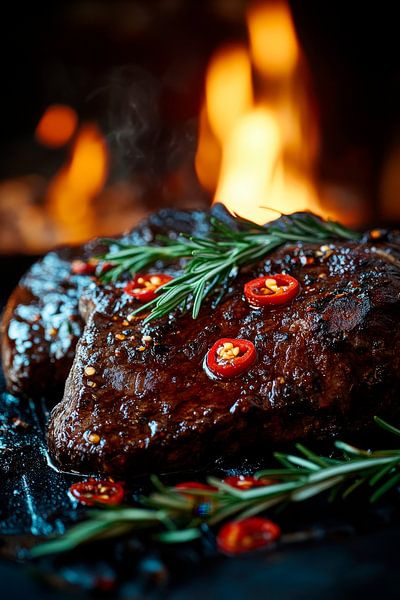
(258, 143)
(259, 133)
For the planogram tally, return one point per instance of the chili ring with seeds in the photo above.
(229, 357)
(271, 290)
(94, 491)
(144, 287)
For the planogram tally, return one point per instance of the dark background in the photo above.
(72, 52)
(69, 51)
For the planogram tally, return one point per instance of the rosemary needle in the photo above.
(171, 517)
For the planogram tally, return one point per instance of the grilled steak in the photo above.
(41, 325)
(138, 397)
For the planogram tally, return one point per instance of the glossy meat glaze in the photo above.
(326, 363)
(41, 325)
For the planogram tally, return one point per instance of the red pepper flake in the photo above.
(230, 357)
(271, 290)
(94, 491)
(238, 537)
(144, 287)
(376, 234)
(306, 260)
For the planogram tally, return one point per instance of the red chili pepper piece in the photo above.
(81, 267)
(243, 482)
(238, 537)
(144, 287)
(90, 267)
(271, 290)
(229, 357)
(95, 491)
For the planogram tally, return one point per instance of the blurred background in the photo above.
(111, 109)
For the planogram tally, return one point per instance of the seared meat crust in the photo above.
(326, 363)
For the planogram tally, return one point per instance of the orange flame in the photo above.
(228, 77)
(274, 48)
(71, 193)
(57, 126)
(258, 144)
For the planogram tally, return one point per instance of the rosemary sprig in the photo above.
(212, 263)
(169, 516)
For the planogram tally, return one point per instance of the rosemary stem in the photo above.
(217, 257)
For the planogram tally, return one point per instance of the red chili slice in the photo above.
(81, 267)
(95, 491)
(144, 287)
(238, 537)
(229, 357)
(271, 290)
(90, 267)
(243, 482)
